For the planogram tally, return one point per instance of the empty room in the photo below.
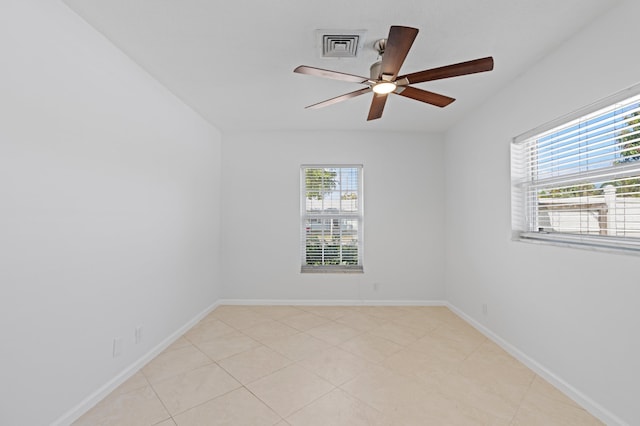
(303, 213)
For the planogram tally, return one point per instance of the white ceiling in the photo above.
(233, 61)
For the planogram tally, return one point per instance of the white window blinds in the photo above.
(578, 179)
(331, 218)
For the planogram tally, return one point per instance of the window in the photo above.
(331, 218)
(577, 180)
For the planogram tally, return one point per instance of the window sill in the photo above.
(332, 269)
(592, 243)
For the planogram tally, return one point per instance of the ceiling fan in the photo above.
(384, 74)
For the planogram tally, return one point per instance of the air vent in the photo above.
(340, 46)
(340, 43)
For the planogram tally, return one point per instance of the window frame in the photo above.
(524, 205)
(340, 216)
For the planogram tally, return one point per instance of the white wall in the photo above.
(573, 311)
(109, 211)
(404, 215)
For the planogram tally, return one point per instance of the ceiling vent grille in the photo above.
(340, 43)
(340, 46)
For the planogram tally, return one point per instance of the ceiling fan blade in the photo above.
(377, 106)
(397, 47)
(319, 72)
(454, 70)
(340, 98)
(424, 96)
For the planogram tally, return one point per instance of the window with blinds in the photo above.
(331, 218)
(577, 180)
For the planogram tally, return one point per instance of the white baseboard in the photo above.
(97, 396)
(587, 403)
(306, 302)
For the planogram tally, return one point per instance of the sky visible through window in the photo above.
(587, 144)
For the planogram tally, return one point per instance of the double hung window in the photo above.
(577, 180)
(331, 218)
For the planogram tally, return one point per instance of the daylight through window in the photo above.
(331, 210)
(578, 181)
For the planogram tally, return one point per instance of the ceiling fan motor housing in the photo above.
(375, 70)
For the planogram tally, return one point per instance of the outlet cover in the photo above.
(117, 347)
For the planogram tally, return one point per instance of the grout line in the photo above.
(161, 402)
(524, 395)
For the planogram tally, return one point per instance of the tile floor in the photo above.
(335, 365)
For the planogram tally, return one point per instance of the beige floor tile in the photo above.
(498, 371)
(439, 410)
(382, 312)
(440, 313)
(402, 335)
(335, 365)
(268, 330)
(537, 409)
(181, 342)
(360, 321)
(135, 408)
(410, 402)
(462, 336)
(276, 312)
(207, 330)
(480, 400)
(239, 317)
(546, 389)
(238, 407)
(174, 362)
(385, 391)
(186, 390)
(334, 333)
(408, 365)
(412, 363)
(446, 350)
(337, 408)
(330, 312)
(417, 320)
(136, 381)
(228, 345)
(297, 347)
(254, 364)
(372, 348)
(289, 389)
(304, 321)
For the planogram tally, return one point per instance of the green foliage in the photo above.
(630, 150)
(350, 196)
(626, 187)
(585, 190)
(319, 182)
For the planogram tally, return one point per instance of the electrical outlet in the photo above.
(117, 347)
(376, 286)
(484, 309)
(138, 334)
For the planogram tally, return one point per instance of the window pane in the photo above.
(331, 216)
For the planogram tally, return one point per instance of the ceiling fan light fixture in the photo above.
(384, 87)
